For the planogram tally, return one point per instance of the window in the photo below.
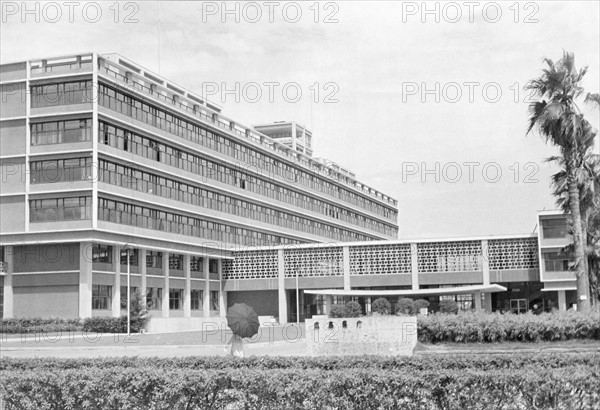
(1, 302)
(102, 254)
(556, 262)
(175, 261)
(101, 297)
(214, 300)
(132, 291)
(196, 264)
(153, 259)
(175, 299)
(63, 170)
(196, 299)
(154, 298)
(554, 228)
(213, 266)
(60, 209)
(133, 257)
(48, 95)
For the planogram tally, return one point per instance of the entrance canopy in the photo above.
(459, 290)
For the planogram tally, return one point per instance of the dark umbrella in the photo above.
(242, 320)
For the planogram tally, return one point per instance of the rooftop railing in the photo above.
(197, 110)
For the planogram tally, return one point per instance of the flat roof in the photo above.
(458, 290)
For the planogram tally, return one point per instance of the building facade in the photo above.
(110, 171)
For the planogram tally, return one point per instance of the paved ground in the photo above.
(277, 340)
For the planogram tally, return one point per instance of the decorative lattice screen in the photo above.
(380, 259)
(449, 256)
(313, 262)
(518, 253)
(251, 265)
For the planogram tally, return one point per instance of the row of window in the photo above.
(143, 217)
(61, 170)
(142, 181)
(104, 254)
(60, 209)
(49, 95)
(149, 114)
(102, 298)
(149, 148)
(61, 132)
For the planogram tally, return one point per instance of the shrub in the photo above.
(448, 306)
(38, 325)
(337, 311)
(484, 327)
(381, 306)
(420, 304)
(405, 306)
(352, 309)
(556, 381)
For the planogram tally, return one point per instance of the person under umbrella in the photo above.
(243, 322)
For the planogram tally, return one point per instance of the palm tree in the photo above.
(559, 120)
(589, 204)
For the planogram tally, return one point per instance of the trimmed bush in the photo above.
(448, 306)
(352, 309)
(452, 383)
(495, 327)
(39, 325)
(405, 306)
(337, 311)
(381, 306)
(420, 304)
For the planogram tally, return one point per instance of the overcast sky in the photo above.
(369, 74)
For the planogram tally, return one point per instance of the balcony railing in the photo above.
(194, 109)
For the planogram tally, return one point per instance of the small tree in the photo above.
(381, 306)
(405, 306)
(448, 306)
(352, 309)
(420, 304)
(337, 311)
(138, 312)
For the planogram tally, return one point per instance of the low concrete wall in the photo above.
(383, 335)
(182, 324)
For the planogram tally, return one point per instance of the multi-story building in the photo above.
(110, 171)
(102, 158)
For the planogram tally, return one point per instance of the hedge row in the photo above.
(494, 327)
(480, 362)
(247, 388)
(94, 324)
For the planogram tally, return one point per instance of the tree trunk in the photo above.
(583, 284)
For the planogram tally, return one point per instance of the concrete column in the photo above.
(328, 304)
(414, 264)
(142, 270)
(487, 302)
(222, 293)
(346, 260)
(282, 295)
(206, 299)
(562, 300)
(9, 259)
(477, 300)
(187, 291)
(85, 279)
(485, 262)
(165, 296)
(116, 294)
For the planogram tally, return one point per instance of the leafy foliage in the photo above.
(557, 381)
(448, 306)
(381, 306)
(421, 304)
(350, 309)
(405, 306)
(494, 327)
